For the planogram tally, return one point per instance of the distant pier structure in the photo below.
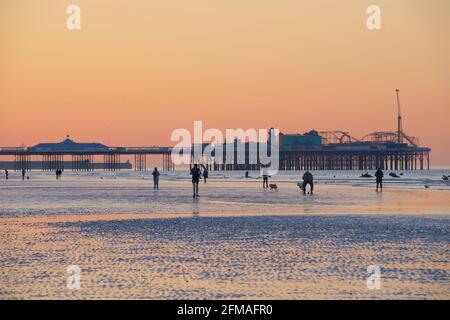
(334, 150)
(313, 150)
(337, 150)
(70, 155)
(330, 150)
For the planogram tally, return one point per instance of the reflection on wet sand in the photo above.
(292, 257)
(235, 241)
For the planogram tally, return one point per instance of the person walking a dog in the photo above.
(308, 179)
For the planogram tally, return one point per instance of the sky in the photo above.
(137, 70)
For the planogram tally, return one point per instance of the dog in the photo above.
(273, 186)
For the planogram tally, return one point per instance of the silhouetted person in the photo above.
(6, 174)
(195, 173)
(246, 174)
(379, 176)
(308, 179)
(265, 179)
(205, 174)
(155, 175)
(23, 174)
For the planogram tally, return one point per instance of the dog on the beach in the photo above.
(273, 186)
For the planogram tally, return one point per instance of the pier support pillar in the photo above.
(140, 162)
(168, 165)
(111, 162)
(22, 161)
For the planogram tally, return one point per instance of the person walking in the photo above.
(155, 175)
(308, 179)
(379, 178)
(205, 174)
(6, 174)
(195, 173)
(265, 176)
(23, 174)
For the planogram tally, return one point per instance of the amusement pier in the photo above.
(313, 150)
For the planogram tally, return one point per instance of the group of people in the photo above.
(196, 174)
(308, 179)
(24, 172)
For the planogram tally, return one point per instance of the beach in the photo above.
(237, 241)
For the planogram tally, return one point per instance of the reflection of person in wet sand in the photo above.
(195, 173)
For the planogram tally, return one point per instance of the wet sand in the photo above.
(255, 244)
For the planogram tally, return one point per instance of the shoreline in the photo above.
(218, 198)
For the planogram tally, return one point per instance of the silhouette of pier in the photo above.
(54, 156)
(317, 151)
(313, 150)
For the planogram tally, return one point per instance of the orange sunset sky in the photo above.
(137, 70)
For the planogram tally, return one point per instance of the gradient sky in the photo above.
(137, 70)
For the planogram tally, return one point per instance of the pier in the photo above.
(335, 150)
(53, 156)
(350, 155)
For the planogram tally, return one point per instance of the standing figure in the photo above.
(155, 175)
(195, 173)
(23, 174)
(265, 176)
(379, 175)
(205, 174)
(6, 174)
(308, 179)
